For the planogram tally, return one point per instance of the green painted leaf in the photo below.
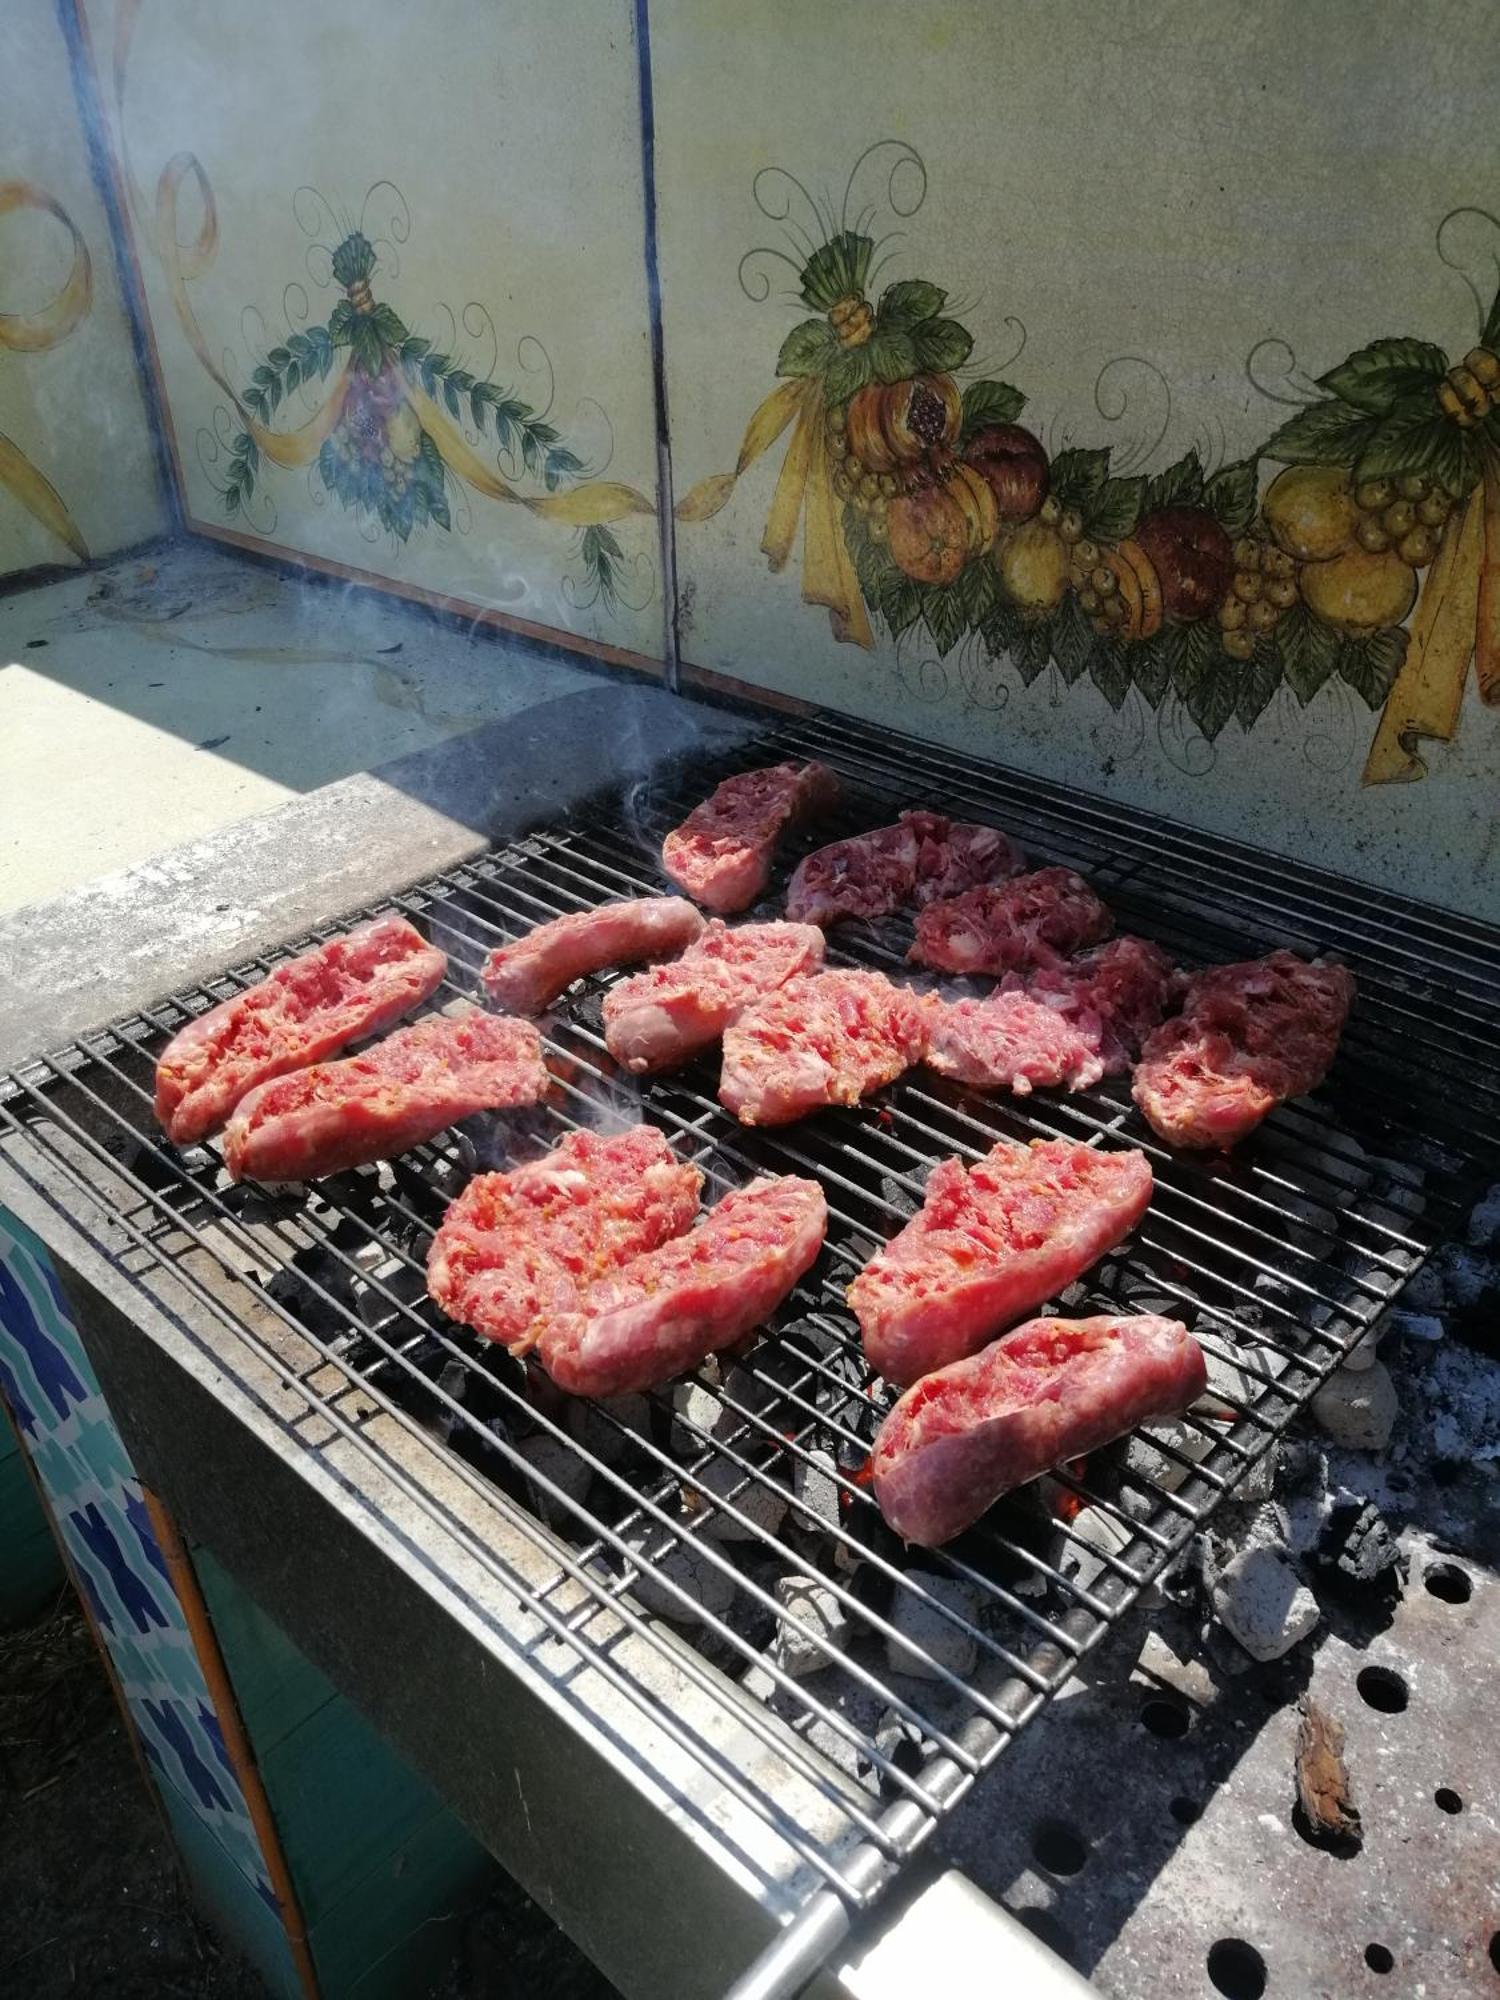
(1377, 377)
(893, 356)
(562, 464)
(451, 398)
(1257, 681)
(846, 375)
(1370, 665)
(1196, 655)
(943, 610)
(1109, 670)
(900, 603)
(254, 401)
(1212, 700)
(264, 376)
(438, 507)
(414, 347)
(279, 357)
(1231, 496)
(941, 344)
(1111, 514)
(807, 349)
(1032, 649)
(388, 324)
(1322, 434)
(299, 344)
(1001, 630)
(1309, 651)
(1151, 664)
(912, 299)
(247, 449)
(1073, 639)
(978, 588)
(1415, 439)
(1077, 475)
(1181, 485)
(273, 393)
(341, 324)
(990, 403)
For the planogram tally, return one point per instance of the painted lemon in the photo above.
(1359, 592)
(1033, 566)
(403, 432)
(1311, 513)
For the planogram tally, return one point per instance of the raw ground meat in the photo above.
(1249, 1036)
(662, 1313)
(525, 977)
(828, 1039)
(1017, 926)
(923, 856)
(1048, 1391)
(990, 1243)
(663, 1016)
(307, 1009)
(721, 854)
(338, 1115)
(1065, 1025)
(517, 1246)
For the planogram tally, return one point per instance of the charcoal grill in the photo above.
(1281, 1256)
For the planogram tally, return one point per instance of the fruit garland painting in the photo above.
(1359, 544)
(403, 426)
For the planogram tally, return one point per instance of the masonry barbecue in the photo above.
(695, 1552)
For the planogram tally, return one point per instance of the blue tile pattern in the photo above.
(95, 1498)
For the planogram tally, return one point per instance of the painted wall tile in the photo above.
(77, 475)
(988, 331)
(397, 292)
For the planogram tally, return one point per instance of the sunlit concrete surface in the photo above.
(156, 700)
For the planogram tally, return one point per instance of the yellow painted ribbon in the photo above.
(34, 333)
(589, 505)
(1457, 620)
(181, 262)
(804, 490)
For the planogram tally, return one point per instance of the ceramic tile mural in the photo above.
(77, 474)
(1108, 390)
(96, 1501)
(397, 292)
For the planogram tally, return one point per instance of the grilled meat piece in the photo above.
(338, 1115)
(525, 977)
(1250, 1036)
(1065, 1025)
(659, 1018)
(721, 854)
(1033, 920)
(990, 1243)
(516, 1247)
(309, 1008)
(1048, 1391)
(923, 856)
(662, 1313)
(828, 1039)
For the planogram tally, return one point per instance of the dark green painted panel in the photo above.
(397, 1930)
(276, 1687)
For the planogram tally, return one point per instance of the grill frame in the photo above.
(1127, 854)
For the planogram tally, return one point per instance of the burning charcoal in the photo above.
(1261, 1604)
(1364, 1353)
(1424, 1292)
(899, 1196)
(1304, 1469)
(1325, 1812)
(556, 1461)
(709, 1588)
(1259, 1482)
(1230, 1388)
(1099, 1532)
(935, 1641)
(1358, 1410)
(744, 1389)
(763, 1506)
(1358, 1550)
(816, 1491)
(1484, 1221)
(809, 1600)
(1158, 1468)
(315, 1287)
(598, 1425)
(697, 1412)
(1417, 1326)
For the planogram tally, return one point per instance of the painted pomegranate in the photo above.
(930, 533)
(1013, 465)
(891, 424)
(1193, 559)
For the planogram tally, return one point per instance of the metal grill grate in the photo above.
(1280, 1256)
